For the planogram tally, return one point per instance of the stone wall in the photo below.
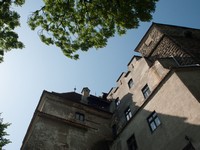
(178, 111)
(149, 42)
(167, 48)
(55, 127)
(142, 73)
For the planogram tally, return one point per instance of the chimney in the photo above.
(85, 94)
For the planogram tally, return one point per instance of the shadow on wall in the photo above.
(191, 79)
(101, 145)
(155, 129)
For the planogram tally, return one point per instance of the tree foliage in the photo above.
(9, 20)
(74, 25)
(3, 140)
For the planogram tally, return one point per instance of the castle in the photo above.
(155, 106)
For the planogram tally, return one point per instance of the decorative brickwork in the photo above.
(163, 41)
(150, 42)
(167, 48)
(178, 31)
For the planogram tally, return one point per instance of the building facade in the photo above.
(72, 121)
(155, 106)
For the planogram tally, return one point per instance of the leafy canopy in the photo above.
(9, 20)
(3, 140)
(74, 25)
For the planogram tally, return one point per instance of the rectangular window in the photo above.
(153, 121)
(128, 114)
(146, 91)
(130, 83)
(79, 116)
(131, 142)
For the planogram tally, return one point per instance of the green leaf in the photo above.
(80, 25)
(9, 20)
(3, 133)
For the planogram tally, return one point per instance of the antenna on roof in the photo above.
(75, 89)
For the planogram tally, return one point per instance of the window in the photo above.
(79, 116)
(130, 83)
(117, 102)
(128, 114)
(131, 142)
(153, 121)
(146, 91)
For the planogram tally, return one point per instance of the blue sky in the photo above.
(26, 73)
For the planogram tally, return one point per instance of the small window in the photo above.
(131, 142)
(146, 91)
(153, 121)
(117, 102)
(79, 116)
(130, 83)
(128, 114)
